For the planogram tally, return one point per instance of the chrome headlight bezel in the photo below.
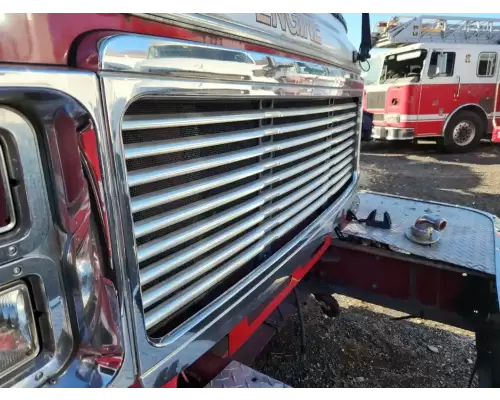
(28, 330)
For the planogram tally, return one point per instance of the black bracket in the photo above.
(371, 220)
(385, 224)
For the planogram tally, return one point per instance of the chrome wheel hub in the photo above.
(464, 133)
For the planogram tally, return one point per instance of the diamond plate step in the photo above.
(237, 375)
(468, 240)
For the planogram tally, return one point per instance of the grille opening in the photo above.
(155, 105)
(346, 100)
(299, 118)
(292, 178)
(375, 100)
(161, 108)
(302, 103)
(157, 134)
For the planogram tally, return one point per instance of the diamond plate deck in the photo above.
(468, 240)
(237, 375)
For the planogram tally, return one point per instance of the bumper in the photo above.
(495, 137)
(388, 133)
(455, 248)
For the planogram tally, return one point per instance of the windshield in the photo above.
(406, 67)
(371, 76)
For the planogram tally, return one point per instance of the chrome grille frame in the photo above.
(161, 358)
(266, 208)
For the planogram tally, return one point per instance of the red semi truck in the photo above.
(169, 179)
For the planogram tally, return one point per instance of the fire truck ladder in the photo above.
(401, 30)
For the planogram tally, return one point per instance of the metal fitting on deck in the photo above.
(426, 229)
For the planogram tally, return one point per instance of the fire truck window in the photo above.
(450, 64)
(403, 67)
(486, 64)
(372, 75)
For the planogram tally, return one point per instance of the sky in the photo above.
(354, 22)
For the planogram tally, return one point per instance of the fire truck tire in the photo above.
(463, 132)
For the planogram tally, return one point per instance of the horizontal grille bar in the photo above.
(157, 314)
(156, 173)
(134, 122)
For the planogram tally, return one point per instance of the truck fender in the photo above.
(468, 106)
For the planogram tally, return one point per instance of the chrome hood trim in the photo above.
(317, 35)
(180, 59)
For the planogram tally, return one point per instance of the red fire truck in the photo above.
(437, 80)
(170, 183)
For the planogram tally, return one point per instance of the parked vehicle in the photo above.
(437, 80)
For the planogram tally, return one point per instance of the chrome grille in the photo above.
(215, 184)
(375, 100)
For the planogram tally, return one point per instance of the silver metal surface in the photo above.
(83, 87)
(9, 204)
(426, 229)
(138, 150)
(431, 238)
(203, 331)
(288, 32)
(37, 267)
(18, 128)
(156, 315)
(158, 361)
(161, 358)
(389, 133)
(463, 133)
(237, 375)
(162, 57)
(150, 200)
(302, 193)
(160, 221)
(468, 240)
(143, 176)
(314, 179)
(133, 122)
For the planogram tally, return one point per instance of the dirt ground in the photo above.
(363, 347)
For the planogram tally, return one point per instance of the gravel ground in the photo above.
(363, 347)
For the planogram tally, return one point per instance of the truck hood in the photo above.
(318, 35)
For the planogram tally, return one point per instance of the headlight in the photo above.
(18, 339)
(392, 118)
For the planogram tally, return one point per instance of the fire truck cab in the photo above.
(437, 78)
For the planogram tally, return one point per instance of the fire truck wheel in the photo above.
(463, 133)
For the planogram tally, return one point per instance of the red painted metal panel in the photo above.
(241, 332)
(49, 38)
